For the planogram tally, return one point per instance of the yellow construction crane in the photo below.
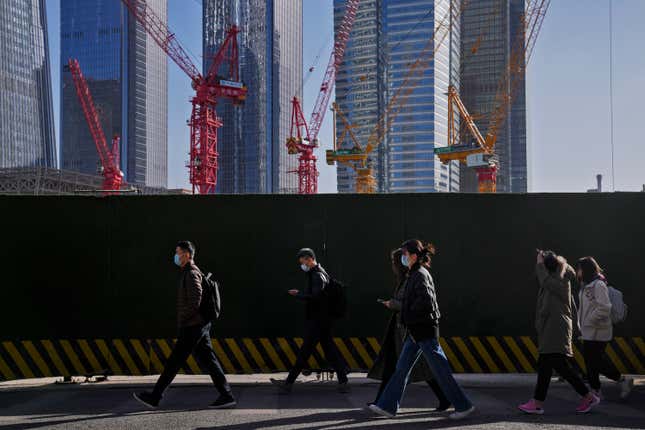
(357, 157)
(480, 154)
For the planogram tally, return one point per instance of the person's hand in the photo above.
(540, 256)
(387, 304)
(293, 292)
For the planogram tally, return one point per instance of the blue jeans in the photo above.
(392, 396)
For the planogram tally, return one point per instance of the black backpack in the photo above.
(211, 305)
(336, 293)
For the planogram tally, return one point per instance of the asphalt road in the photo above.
(313, 406)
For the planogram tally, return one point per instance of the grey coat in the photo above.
(553, 316)
(392, 343)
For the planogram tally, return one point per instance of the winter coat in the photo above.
(392, 342)
(316, 303)
(189, 296)
(594, 314)
(553, 315)
(419, 308)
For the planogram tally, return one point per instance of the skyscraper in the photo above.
(489, 30)
(252, 142)
(386, 40)
(27, 136)
(127, 75)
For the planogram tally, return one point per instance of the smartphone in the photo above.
(381, 300)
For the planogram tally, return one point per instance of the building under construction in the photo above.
(42, 181)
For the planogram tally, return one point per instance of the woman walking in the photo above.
(420, 316)
(553, 322)
(594, 320)
(392, 343)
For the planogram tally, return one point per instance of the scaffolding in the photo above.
(42, 181)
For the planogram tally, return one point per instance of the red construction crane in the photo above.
(112, 175)
(305, 143)
(204, 121)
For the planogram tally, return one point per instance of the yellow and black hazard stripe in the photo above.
(78, 357)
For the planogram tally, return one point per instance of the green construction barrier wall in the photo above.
(80, 267)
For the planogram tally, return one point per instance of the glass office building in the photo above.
(386, 40)
(252, 142)
(27, 137)
(489, 30)
(127, 75)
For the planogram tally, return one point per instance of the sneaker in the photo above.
(598, 393)
(225, 401)
(626, 386)
(587, 403)
(147, 399)
(283, 386)
(379, 411)
(344, 388)
(461, 415)
(531, 407)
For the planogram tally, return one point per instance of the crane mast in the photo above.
(204, 122)
(109, 159)
(305, 143)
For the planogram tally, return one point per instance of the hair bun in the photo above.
(430, 249)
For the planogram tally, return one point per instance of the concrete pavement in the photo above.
(314, 405)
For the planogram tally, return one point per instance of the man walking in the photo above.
(318, 323)
(194, 335)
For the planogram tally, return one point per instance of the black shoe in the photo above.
(283, 386)
(147, 399)
(443, 407)
(225, 401)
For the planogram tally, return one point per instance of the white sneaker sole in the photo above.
(532, 412)
(147, 405)
(379, 411)
(462, 415)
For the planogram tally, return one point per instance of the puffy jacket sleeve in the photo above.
(602, 309)
(556, 285)
(193, 294)
(423, 291)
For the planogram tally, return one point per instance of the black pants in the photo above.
(547, 363)
(389, 366)
(197, 339)
(317, 331)
(597, 363)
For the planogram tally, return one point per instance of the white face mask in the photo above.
(304, 267)
(405, 260)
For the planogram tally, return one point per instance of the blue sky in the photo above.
(567, 92)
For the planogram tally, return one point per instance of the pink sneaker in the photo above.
(531, 407)
(587, 403)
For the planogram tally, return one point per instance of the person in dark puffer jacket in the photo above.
(194, 335)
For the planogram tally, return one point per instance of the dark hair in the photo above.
(306, 252)
(397, 267)
(187, 246)
(431, 251)
(551, 261)
(590, 269)
(415, 246)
